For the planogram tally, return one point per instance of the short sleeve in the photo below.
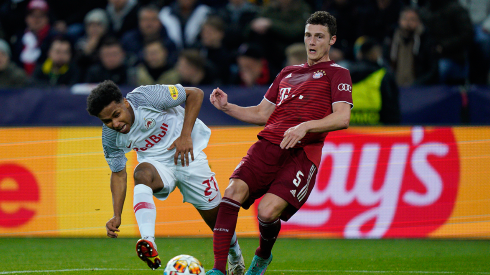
(160, 97)
(342, 87)
(115, 157)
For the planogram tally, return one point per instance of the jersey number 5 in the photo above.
(297, 180)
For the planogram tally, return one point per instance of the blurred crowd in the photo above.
(238, 42)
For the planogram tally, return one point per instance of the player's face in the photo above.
(317, 43)
(118, 116)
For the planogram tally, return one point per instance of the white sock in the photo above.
(235, 252)
(145, 212)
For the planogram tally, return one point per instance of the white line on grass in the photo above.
(377, 271)
(276, 270)
(70, 270)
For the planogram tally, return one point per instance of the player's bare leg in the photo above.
(270, 209)
(236, 263)
(147, 181)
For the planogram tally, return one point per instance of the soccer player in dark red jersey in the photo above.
(302, 105)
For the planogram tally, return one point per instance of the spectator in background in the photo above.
(347, 14)
(375, 90)
(2, 32)
(123, 16)
(58, 69)
(278, 25)
(479, 56)
(237, 15)
(112, 65)
(87, 47)
(409, 52)
(155, 69)
(10, 74)
(296, 54)
(379, 20)
(253, 68)
(149, 29)
(68, 16)
(450, 27)
(193, 70)
(32, 45)
(183, 20)
(12, 18)
(212, 35)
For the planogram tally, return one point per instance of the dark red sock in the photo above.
(268, 235)
(223, 231)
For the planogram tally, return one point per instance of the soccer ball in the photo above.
(184, 265)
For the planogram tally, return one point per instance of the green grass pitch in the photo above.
(291, 256)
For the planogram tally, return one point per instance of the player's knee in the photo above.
(143, 176)
(268, 214)
(237, 190)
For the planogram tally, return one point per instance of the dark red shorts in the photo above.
(288, 174)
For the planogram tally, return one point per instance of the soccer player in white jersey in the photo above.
(168, 141)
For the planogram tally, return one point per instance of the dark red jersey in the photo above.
(303, 93)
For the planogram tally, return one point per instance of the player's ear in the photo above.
(126, 103)
(332, 40)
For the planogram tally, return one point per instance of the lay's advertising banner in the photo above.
(373, 182)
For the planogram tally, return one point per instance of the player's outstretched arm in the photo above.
(183, 144)
(118, 190)
(337, 120)
(255, 114)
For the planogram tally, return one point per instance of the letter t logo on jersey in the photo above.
(284, 93)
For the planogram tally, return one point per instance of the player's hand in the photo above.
(219, 99)
(293, 135)
(112, 226)
(183, 147)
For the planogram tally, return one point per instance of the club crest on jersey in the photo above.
(149, 123)
(318, 74)
(174, 93)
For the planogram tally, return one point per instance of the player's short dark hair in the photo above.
(324, 18)
(102, 95)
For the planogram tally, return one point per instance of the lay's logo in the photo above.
(174, 93)
(402, 184)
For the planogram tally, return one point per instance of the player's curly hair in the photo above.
(102, 95)
(324, 18)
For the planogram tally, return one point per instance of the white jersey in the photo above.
(158, 121)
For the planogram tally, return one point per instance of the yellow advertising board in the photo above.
(375, 182)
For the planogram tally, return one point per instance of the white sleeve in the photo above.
(115, 157)
(158, 96)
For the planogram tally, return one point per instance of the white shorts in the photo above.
(196, 182)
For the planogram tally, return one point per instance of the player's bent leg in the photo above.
(269, 211)
(147, 180)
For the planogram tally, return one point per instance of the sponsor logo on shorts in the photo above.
(210, 200)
